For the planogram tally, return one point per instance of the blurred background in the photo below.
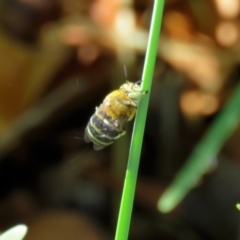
(59, 58)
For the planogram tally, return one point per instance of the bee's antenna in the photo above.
(138, 82)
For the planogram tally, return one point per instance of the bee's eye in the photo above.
(136, 87)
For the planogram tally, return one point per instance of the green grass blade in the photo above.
(221, 129)
(125, 212)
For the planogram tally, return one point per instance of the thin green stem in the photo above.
(199, 161)
(139, 125)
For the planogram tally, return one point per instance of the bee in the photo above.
(118, 107)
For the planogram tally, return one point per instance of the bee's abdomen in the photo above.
(102, 130)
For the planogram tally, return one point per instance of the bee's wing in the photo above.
(86, 136)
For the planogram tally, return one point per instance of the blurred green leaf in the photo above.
(238, 206)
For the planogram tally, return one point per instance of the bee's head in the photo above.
(131, 87)
(133, 91)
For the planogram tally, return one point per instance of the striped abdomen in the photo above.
(102, 130)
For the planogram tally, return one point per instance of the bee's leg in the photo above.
(123, 132)
(144, 92)
(126, 102)
(131, 116)
(120, 134)
(133, 104)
